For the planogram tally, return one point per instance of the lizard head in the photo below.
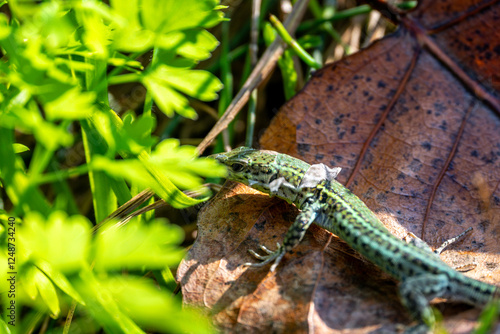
(274, 173)
(256, 168)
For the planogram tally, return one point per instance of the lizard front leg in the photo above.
(292, 238)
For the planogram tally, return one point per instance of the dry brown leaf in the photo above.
(414, 122)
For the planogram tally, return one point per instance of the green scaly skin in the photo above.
(324, 201)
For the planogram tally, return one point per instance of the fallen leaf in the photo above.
(321, 271)
(413, 120)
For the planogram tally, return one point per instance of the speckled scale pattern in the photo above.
(330, 205)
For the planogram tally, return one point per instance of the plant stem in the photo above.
(306, 57)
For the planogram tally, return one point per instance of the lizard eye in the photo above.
(237, 167)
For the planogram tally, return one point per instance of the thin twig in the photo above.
(253, 52)
(127, 211)
(261, 71)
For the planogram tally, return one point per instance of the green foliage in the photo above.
(285, 64)
(89, 272)
(488, 318)
(156, 239)
(60, 57)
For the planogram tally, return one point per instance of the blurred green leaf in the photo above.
(193, 44)
(52, 22)
(47, 291)
(163, 81)
(200, 84)
(142, 301)
(166, 189)
(132, 37)
(29, 118)
(121, 60)
(4, 26)
(135, 133)
(164, 16)
(28, 277)
(58, 59)
(59, 279)
(168, 99)
(16, 184)
(310, 41)
(72, 104)
(181, 164)
(4, 328)
(45, 240)
(177, 30)
(131, 135)
(93, 17)
(20, 148)
(145, 174)
(488, 318)
(103, 196)
(24, 8)
(73, 65)
(168, 279)
(126, 246)
(104, 307)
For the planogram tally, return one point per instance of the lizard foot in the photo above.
(417, 242)
(271, 256)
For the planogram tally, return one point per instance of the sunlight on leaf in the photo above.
(193, 44)
(51, 23)
(126, 246)
(129, 169)
(30, 120)
(181, 163)
(20, 148)
(168, 99)
(164, 17)
(101, 304)
(24, 9)
(200, 84)
(59, 279)
(176, 30)
(59, 59)
(47, 240)
(47, 292)
(145, 175)
(27, 277)
(132, 37)
(135, 133)
(142, 301)
(73, 104)
(3, 327)
(163, 81)
(4, 26)
(121, 60)
(95, 36)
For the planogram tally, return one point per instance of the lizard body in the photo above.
(324, 201)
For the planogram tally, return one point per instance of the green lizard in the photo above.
(324, 201)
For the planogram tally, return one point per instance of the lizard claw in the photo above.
(267, 250)
(275, 256)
